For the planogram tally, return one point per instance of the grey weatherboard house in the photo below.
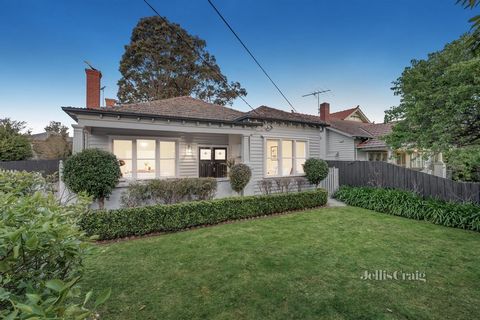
(186, 137)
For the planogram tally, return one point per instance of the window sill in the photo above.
(291, 176)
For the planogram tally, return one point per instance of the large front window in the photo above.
(285, 157)
(146, 158)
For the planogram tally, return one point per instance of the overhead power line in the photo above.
(215, 70)
(250, 53)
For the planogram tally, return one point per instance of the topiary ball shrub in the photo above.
(315, 170)
(240, 175)
(93, 171)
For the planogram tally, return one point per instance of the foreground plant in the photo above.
(41, 252)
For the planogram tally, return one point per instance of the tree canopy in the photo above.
(474, 41)
(58, 128)
(14, 145)
(159, 64)
(440, 101)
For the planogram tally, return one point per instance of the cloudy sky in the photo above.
(355, 48)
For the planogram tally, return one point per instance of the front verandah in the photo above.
(161, 154)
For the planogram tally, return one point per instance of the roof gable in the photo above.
(351, 114)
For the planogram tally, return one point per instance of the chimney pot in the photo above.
(93, 88)
(110, 102)
(324, 111)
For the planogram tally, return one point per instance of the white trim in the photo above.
(280, 156)
(157, 140)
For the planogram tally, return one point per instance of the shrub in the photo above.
(300, 182)
(41, 252)
(93, 171)
(14, 145)
(240, 175)
(283, 184)
(137, 194)
(21, 183)
(315, 170)
(168, 191)
(409, 205)
(265, 186)
(119, 223)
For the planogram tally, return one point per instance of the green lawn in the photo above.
(299, 266)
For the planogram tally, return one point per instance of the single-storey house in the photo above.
(352, 136)
(186, 137)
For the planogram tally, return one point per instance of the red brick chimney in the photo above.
(93, 88)
(110, 102)
(324, 111)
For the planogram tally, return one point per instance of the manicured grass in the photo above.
(299, 266)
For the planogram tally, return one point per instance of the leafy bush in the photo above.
(168, 191)
(315, 170)
(409, 205)
(41, 251)
(240, 175)
(464, 163)
(14, 145)
(93, 171)
(119, 223)
(21, 183)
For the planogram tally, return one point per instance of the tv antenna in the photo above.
(317, 95)
(89, 65)
(102, 89)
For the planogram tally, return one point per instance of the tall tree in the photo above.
(158, 64)
(440, 102)
(58, 128)
(475, 32)
(14, 142)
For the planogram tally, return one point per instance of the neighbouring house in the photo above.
(49, 145)
(187, 137)
(352, 136)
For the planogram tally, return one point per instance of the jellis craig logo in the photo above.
(382, 275)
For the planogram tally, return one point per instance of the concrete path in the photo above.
(335, 203)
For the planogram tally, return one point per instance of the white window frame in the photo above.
(280, 156)
(157, 154)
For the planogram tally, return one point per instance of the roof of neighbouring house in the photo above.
(377, 130)
(42, 136)
(344, 113)
(188, 108)
(353, 128)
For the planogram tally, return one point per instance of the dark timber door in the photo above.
(212, 162)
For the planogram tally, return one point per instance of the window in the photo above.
(285, 157)
(167, 159)
(212, 162)
(272, 158)
(301, 155)
(146, 158)
(416, 160)
(377, 156)
(123, 150)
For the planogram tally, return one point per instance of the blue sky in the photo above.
(355, 48)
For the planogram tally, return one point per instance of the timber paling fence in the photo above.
(387, 175)
(46, 167)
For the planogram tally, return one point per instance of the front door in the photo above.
(212, 162)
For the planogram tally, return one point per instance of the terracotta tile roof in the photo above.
(268, 113)
(353, 128)
(190, 108)
(377, 130)
(183, 107)
(343, 114)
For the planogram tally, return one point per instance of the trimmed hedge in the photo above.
(409, 205)
(111, 224)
